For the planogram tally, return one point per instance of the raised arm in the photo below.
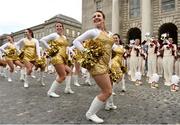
(19, 43)
(90, 34)
(47, 38)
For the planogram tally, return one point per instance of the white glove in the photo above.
(70, 51)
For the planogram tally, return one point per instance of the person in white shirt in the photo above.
(134, 59)
(168, 60)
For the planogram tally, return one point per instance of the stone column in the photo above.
(115, 16)
(146, 18)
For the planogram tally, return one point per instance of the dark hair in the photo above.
(120, 41)
(99, 11)
(60, 23)
(31, 32)
(10, 35)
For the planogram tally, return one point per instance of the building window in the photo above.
(50, 30)
(134, 8)
(42, 33)
(98, 4)
(67, 31)
(78, 33)
(73, 33)
(167, 5)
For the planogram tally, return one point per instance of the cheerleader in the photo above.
(11, 56)
(56, 44)
(100, 69)
(115, 68)
(30, 52)
(119, 58)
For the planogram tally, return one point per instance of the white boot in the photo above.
(22, 75)
(96, 105)
(33, 74)
(87, 81)
(68, 89)
(9, 76)
(110, 104)
(42, 78)
(4, 72)
(123, 85)
(51, 92)
(76, 81)
(1, 71)
(26, 82)
(113, 87)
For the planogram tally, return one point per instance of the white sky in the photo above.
(16, 15)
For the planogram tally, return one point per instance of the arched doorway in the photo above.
(134, 33)
(171, 29)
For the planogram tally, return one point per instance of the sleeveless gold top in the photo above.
(29, 50)
(102, 66)
(61, 57)
(116, 64)
(118, 58)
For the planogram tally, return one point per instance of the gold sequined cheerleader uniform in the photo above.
(116, 64)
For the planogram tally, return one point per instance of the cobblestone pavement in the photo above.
(140, 104)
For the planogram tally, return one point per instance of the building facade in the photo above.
(72, 29)
(133, 18)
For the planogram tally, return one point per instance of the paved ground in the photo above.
(140, 104)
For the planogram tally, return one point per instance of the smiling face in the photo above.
(59, 28)
(116, 39)
(98, 20)
(10, 39)
(26, 33)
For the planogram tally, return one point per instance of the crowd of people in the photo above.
(97, 53)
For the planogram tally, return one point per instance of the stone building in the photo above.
(72, 28)
(133, 18)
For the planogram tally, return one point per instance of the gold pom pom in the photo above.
(94, 50)
(53, 48)
(10, 52)
(69, 63)
(115, 75)
(124, 69)
(52, 51)
(40, 63)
